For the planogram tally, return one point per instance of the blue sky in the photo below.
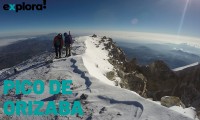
(156, 16)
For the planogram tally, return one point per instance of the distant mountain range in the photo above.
(22, 50)
(172, 54)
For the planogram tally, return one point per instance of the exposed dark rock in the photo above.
(49, 61)
(116, 83)
(126, 70)
(189, 87)
(161, 80)
(56, 117)
(83, 96)
(134, 81)
(15, 70)
(102, 110)
(131, 65)
(119, 114)
(94, 35)
(198, 114)
(104, 37)
(19, 96)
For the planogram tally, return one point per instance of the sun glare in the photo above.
(187, 2)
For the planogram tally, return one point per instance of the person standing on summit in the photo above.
(68, 44)
(58, 44)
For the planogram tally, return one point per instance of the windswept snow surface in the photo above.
(187, 66)
(187, 111)
(87, 68)
(96, 60)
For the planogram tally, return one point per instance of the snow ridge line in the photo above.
(88, 83)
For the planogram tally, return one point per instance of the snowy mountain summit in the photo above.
(101, 96)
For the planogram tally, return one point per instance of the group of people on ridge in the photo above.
(58, 43)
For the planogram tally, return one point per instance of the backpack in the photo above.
(57, 43)
(68, 40)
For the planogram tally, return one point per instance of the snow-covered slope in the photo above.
(87, 68)
(187, 66)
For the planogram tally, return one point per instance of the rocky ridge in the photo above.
(155, 80)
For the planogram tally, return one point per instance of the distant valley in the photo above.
(174, 55)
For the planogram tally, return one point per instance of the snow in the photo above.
(189, 112)
(187, 66)
(96, 60)
(87, 68)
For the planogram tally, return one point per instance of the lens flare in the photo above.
(183, 17)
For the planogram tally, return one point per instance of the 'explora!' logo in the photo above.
(24, 6)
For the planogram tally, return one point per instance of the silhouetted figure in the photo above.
(68, 43)
(58, 44)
